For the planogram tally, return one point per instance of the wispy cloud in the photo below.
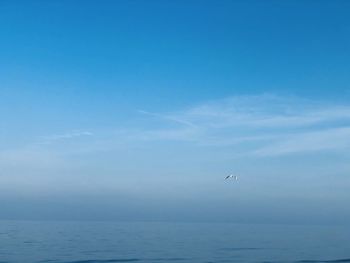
(263, 112)
(265, 125)
(64, 136)
(274, 125)
(168, 117)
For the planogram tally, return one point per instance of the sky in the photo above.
(137, 110)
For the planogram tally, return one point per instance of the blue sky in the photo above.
(136, 110)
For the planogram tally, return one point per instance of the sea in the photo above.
(107, 242)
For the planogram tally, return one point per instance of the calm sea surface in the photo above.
(102, 242)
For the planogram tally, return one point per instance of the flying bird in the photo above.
(235, 177)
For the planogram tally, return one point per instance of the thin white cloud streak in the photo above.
(184, 134)
(169, 118)
(276, 125)
(65, 136)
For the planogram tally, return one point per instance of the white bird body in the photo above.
(231, 176)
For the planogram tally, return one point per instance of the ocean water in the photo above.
(106, 242)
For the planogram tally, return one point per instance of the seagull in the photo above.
(235, 177)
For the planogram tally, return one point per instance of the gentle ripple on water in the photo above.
(103, 242)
